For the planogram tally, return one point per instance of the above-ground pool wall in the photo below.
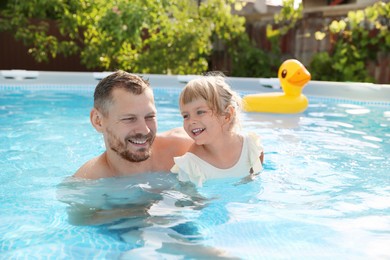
(342, 90)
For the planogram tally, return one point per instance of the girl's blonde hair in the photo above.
(217, 94)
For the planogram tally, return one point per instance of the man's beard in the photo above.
(120, 147)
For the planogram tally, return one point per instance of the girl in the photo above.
(210, 117)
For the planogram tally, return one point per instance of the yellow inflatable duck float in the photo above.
(292, 76)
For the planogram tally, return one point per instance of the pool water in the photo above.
(324, 192)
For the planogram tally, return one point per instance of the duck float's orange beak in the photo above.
(300, 77)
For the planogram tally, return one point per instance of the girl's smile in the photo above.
(199, 121)
(198, 131)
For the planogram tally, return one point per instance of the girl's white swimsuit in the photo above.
(194, 169)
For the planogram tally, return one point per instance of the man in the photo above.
(124, 112)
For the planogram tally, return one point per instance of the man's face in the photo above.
(131, 125)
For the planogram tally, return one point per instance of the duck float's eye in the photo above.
(284, 73)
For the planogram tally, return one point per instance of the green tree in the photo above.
(285, 20)
(252, 61)
(166, 36)
(358, 39)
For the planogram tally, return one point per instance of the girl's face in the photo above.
(200, 123)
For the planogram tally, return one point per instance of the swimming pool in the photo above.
(324, 191)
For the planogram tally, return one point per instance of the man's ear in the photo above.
(96, 119)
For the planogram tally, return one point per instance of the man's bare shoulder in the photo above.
(93, 169)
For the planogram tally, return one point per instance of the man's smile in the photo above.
(138, 141)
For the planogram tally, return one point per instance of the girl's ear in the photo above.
(96, 119)
(229, 114)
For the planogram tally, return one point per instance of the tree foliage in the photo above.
(357, 40)
(251, 61)
(166, 36)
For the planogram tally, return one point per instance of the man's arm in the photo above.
(169, 144)
(89, 203)
(81, 215)
(178, 140)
